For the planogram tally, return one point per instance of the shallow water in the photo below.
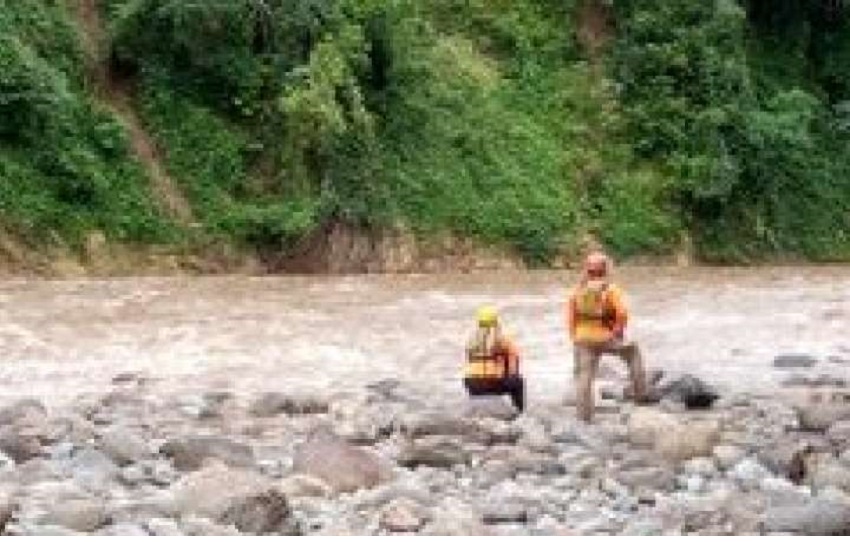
(63, 338)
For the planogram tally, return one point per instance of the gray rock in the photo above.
(402, 516)
(261, 513)
(234, 496)
(163, 527)
(496, 407)
(82, 515)
(123, 529)
(820, 416)
(819, 517)
(644, 527)
(274, 403)
(441, 423)
(794, 361)
(749, 473)
(700, 466)
(434, 451)
(645, 424)
(342, 466)
(728, 455)
(787, 458)
(25, 410)
(8, 508)
(20, 443)
(686, 441)
(133, 475)
(92, 469)
(455, 518)
(830, 472)
(839, 432)
(820, 381)
(189, 453)
(204, 526)
(123, 446)
(656, 478)
(301, 485)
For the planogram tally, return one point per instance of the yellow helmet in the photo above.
(487, 316)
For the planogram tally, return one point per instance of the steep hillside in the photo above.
(527, 125)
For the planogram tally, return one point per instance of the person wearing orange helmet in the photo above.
(492, 361)
(596, 318)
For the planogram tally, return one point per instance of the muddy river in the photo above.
(62, 338)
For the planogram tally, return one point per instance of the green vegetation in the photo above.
(64, 164)
(490, 119)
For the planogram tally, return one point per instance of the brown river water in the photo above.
(322, 333)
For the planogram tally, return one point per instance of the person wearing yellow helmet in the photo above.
(492, 360)
(596, 319)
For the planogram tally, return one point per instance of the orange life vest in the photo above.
(593, 303)
(491, 359)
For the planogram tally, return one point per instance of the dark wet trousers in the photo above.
(514, 386)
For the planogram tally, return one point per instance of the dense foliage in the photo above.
(64, 164)
(726, 120)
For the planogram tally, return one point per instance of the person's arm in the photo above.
(621, 313)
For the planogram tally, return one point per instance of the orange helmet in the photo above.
(596, 264)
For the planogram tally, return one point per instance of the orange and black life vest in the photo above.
(489, 358)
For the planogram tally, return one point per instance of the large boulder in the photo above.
(671, 438)
(343, 466)
(234, 496)
(24, 430)
(82, 515)
(819, 417)
(645, 424)
(24, 410)
(830, 472)
(818, 517)
(92, 469)
(189, 453)
(123, 445)
(21, 443)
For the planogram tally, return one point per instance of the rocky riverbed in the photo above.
(386, 458)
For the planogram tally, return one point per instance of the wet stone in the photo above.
(792, 361)
(341, 465)
(189, 453)
(434, 451)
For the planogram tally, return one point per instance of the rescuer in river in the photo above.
(596, 318)
(492, 361)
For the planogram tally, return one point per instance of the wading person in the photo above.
(492, 361)
(597, 318)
